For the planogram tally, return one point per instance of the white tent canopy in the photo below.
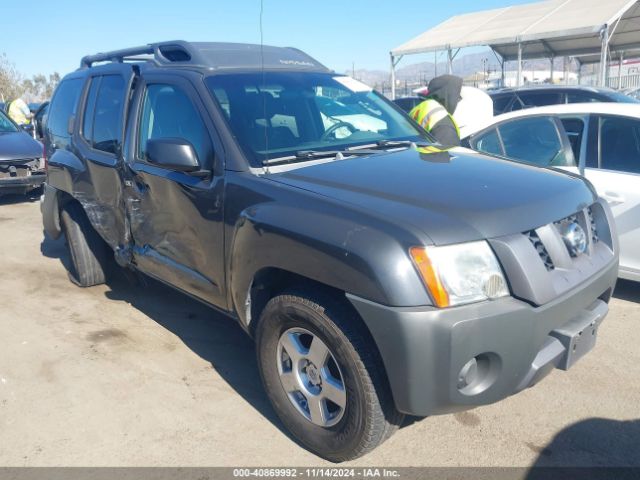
(549, 29)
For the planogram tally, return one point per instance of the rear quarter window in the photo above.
(63, 107)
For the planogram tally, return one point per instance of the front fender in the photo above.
(342, 250)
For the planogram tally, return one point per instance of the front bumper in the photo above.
(21, 183)
(425, 350)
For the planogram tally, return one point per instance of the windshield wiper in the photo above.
(305, 155)
(386, 144)
(369, 149)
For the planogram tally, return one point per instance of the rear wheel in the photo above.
(87, 249)
(324, 376)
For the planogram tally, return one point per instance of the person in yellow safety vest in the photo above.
(19, 112)
(435, 114)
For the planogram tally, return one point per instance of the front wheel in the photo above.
(324, 376)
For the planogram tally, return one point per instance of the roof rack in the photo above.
(212, 56)
(163, 53)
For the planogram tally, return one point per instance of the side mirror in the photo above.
(173, 154)
(27, 127)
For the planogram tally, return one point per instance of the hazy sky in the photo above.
(42, 36)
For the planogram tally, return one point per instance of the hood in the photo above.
(18, 146)
(453, 197)
(446, 90)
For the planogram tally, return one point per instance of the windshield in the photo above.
(6, 125)
(276, 115)
(619, 97)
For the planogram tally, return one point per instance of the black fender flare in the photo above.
(339, 249)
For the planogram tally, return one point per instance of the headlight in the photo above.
(459, 274)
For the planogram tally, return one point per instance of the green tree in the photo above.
(11, 85)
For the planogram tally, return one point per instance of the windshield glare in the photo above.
(6, 125)
(275, 115)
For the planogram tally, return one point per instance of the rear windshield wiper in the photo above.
(305, 155)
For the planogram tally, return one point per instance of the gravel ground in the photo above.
(139, 375)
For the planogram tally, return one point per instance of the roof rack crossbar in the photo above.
(130, 53)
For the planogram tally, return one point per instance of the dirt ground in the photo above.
(140, 375)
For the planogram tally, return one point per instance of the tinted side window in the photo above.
(500, 103)
(488, 143)
(533, 140)
(41, 114)
(620, 144)
(63, 107)
(107, 117)
(540, 99)
(583, 98)
(167, 112)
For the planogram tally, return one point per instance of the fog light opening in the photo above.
(478, 374)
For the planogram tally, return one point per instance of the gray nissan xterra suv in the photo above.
(380, 275)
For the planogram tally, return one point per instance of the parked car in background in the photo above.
(633, 92)
(40, 119)
(600, 139)
(33, 106)
(512, 99)
(408, 103)
(21, 163)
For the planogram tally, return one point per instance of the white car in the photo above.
(600, 139)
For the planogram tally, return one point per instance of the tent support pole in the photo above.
(604, 34)
(579, 71)
(393, 78)
(449, 62)
(394, 62)
(620, 62)
(553, 60)
(435, 64)
(502, 62)
(519, 79)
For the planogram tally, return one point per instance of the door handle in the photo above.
(613, 199)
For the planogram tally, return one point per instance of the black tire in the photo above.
(370, 416)
(87, 249)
